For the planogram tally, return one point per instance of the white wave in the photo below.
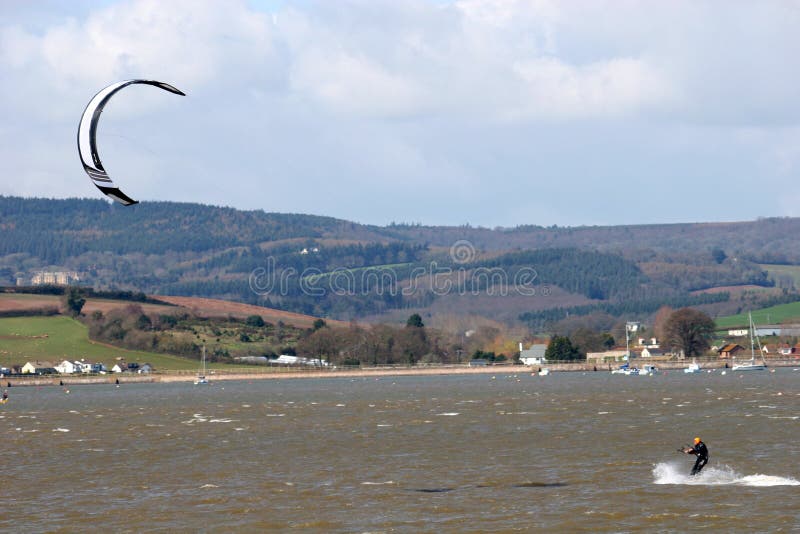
(377, 483)
(674, 473)
(61, 430)
(448, 414)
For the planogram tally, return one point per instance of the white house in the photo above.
(651, 343)
(82, 366)
(67, 367)
(285, 359)
(38, 368)
(652, 352)
(738, 332)
(534, 355)
(119, 367)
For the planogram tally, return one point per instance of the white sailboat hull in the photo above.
(749, 367)
(201, 376)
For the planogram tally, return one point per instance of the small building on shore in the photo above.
(534, 355)
(617, 355)
(67, 367)
(38, 368)
(730, 351)
(654, 353)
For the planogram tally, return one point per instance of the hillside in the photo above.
(13, 303)
(340, 270)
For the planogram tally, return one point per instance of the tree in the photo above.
(319, 323)
(587, 340)
(73, 301)
(690, 331)
(322, 344)
(411, 344)
(143, 322)
(659, 322)
(254, 320)
(415, 321)
(561, 348)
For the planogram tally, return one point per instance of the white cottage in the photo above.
(67, 367)
(534, 355)
(38, 368)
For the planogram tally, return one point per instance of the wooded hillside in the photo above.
(343, 270)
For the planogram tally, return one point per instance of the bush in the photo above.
(255, 320)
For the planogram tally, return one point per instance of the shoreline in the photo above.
(219, 375)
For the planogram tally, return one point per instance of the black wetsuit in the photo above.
(701, 451)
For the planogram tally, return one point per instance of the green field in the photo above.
(772, 315)
(59, 338)
(775, 271)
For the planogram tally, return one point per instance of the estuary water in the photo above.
(569, 452)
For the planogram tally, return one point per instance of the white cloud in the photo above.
(327, 106)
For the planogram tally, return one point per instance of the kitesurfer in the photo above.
(5, 395)
(700, 450)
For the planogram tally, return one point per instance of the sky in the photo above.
(493, 113)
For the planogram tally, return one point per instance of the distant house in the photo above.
(39, 368)
(738, 332)
(66, 367)
(607, 356)
(145, 369)
(788, 350)
(133, 367)
(653, 352)
(88, 367)
(651, 343)
(60, 278)
(534, 355)
(730, 350)
(82, 366)
(285, 359)
(119, 367)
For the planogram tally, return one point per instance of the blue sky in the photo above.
(488, 112)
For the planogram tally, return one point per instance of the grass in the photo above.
(774, 271)
(59, 338)
(772, 315)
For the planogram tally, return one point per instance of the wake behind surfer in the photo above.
(701, 451)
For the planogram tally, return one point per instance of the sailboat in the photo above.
(751, 365)
(201, 375)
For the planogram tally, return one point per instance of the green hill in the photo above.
(59, 338)
(771, 315)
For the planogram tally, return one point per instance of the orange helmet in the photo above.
(696, 441)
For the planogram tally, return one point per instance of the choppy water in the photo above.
(567, 452)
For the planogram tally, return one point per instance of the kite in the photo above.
(87, 138)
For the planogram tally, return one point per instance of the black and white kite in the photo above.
(87, 138)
